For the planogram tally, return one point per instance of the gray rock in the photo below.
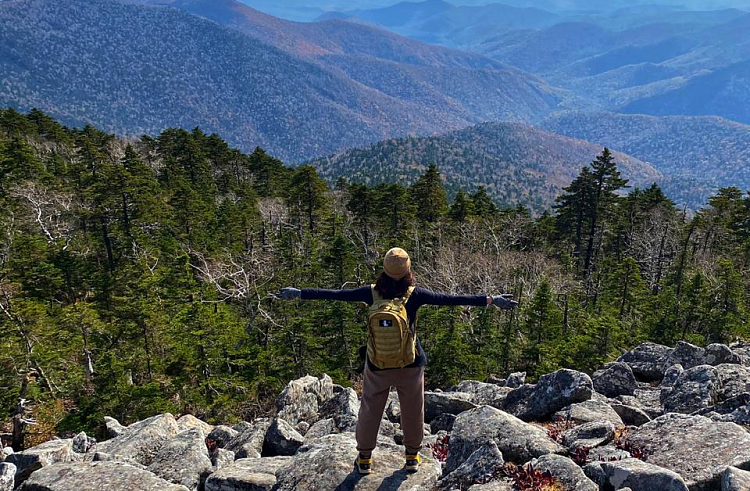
(480, 464)
(717, 354)
(301, 399)
(343, 408)
(105, 457)
(695, 389)
(188, 422)
(500, 485)
(614, 379)
(566, 472)
(649, 400)
(6, 452)
(671, 374)
(515, 380)
(742, 349)
(184, 460)
(249, 442)
(141, 441)
(589, 412)
(437, 403)
(221, 435)
(640, 476)
(393, 408)
(686, 354)
(518, 441)
(321, 428)
(302, 427)
(735, 479)
(281, 439)
(589, 435)
(482, 393)
(693, 446)
(328, 463)
(647, 360)
(258, 474)
(96, 476)
(607, 453)
(7, 475)
(552, 392)
(735, 381)
(594, 471)
(82, 443)
(114, 428)
(740, 416)
(43, 455)
(444, 422)
(631, 416)
(221, 457)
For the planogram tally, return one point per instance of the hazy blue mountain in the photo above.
(518, 164)
(697, 154)
(447, 82)
(133, 69)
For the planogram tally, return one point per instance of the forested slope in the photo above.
(136, 277)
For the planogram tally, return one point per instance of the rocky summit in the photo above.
(657, 419)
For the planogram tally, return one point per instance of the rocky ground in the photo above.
(657, 419)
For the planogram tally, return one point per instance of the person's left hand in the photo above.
(289, 293)
(504, 301)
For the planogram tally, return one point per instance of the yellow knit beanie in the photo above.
(396, 263)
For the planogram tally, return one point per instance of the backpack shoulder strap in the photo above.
(375, 295)
(409, 291)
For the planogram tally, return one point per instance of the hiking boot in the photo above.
(412, 462)
(364, 465)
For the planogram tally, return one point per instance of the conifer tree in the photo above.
(429, 195)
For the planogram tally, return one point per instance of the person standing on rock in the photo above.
(395, 357)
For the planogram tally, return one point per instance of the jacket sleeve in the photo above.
(361, 294)
(422, 296)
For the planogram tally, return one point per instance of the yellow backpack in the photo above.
(390, 342)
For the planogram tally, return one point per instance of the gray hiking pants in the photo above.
(409, 383)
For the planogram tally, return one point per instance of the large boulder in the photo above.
(482, 393)
(320, 429)
(735, 479)
(141, 441)
(301, 399)
(648, 400)
(695, 389)
(552, 392)
(328, 463)
(499, 485)
(96, 476)
(249, 441)
(631, 416)
(515, 380)
(184, 460)
(614, 379)
(670, 375)
(82, 443)
(481, 463)
(735, 381)
(114, 428)
(717, 354)
(686, 354)
(639, 476)
(7, 476)
(343, 408)
(590, 411)
(281, 439)
(221, 435)
(221, 457)
(589, 435)
(437, 403)
(257, 474)
(43, 455)
(518, 441)
(569, 476)
(647, 360)
(444, 422)
(695, 447)
(189, 422)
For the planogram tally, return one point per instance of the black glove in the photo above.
(504, 301)
(289, 293)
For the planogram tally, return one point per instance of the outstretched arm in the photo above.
(428, 297)
(362, 294)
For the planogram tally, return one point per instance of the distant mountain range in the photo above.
(299, 91)
(517, 163)
(695, 154)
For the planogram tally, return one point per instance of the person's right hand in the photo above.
(289, 293)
